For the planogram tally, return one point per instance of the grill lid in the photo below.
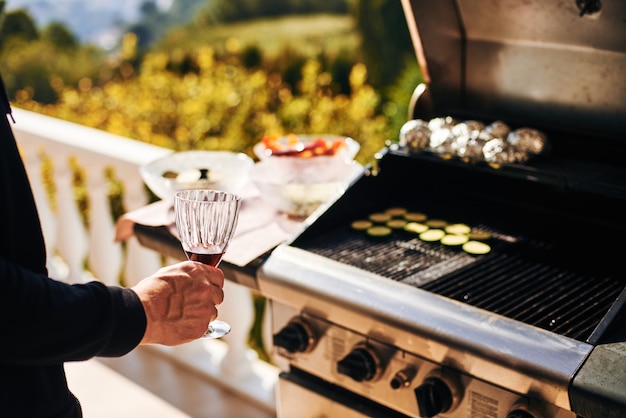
(556, 64)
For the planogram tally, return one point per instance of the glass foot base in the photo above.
(217, 329)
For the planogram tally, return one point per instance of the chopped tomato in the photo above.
(291, 145)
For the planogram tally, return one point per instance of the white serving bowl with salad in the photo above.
(302, 147)
(219, 170)
(299, 173)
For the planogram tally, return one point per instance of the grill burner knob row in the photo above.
(436, 395)
(296, 337)
(361, 364)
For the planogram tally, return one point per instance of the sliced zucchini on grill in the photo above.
(432, 235)
(476, 247)
(459, 229)
(415, 227)
(479, 235)
(415, 216)
(361, 224)
(436, 223)
(379, 217)
(453, 240)
(396, 223)
(378, 231)
(396, 211)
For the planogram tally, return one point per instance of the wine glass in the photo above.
(206, 221)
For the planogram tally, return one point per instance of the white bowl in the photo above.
(291, 147)
(299, 192)
(219, 170)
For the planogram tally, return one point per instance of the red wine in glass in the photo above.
(212, 256)
(212, 259)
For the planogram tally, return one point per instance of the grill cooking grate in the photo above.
(390, 257)
(529, 282)
(537, 293)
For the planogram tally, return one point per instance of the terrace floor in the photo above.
(144, 384)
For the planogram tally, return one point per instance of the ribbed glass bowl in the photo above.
(300, 190)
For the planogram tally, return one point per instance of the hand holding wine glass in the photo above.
(206, 221)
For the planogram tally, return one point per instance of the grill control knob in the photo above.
(296, 337)
(361, 364)
(436, 395)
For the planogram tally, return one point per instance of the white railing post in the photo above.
(105, 255)
(140, 262)
(71, 235)
(238, 311)
(47, 216)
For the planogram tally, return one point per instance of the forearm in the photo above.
(48, 322)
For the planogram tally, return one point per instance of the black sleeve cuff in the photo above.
(130, 322)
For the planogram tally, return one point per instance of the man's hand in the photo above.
(180, 300)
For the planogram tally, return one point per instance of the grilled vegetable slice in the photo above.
(415, 227)
(398, 211)
(379, 231)
(436, 223)
(476, 247)
(453, 240)
(432, 235)
(361, 224)
(415, 216)
(396, 223)
(379, 217)
(480, 235)
(459, 229)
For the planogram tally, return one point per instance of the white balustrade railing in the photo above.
(80, 251)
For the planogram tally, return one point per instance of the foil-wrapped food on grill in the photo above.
(472, 140)
(415, 135)
(447, 122)
(498, 151)
(468, 143)
(528, 140)
(498, 129)
(442, 142)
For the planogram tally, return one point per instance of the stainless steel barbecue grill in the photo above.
(397, 326)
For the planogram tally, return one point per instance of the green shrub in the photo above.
(224, 106)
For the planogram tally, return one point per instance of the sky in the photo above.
(93, 21)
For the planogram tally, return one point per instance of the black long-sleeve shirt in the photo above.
(44, 322)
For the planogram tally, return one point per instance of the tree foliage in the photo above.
(221, 11)
(386, 40)
(40, 69)
(38, 64)
(18, 24)
(60, 36)
(184, 11)
(222, 106)
(151, 25)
